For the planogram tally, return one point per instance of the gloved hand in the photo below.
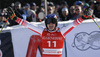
(11, 13)
(87, 13)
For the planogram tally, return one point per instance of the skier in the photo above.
(52, 36)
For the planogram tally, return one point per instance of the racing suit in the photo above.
(52, 41)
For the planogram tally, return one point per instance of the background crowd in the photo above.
(64, 12)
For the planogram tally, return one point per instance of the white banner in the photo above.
(82, 41)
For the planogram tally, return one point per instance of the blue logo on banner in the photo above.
(83, 41)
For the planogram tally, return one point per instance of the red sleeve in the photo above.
(30, 26)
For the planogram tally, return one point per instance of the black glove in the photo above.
(87, 13)
(11, 13)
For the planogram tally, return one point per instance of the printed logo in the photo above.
(83, 41)
(48, 34)
(59, 52)
(53, 35)
(52, 51)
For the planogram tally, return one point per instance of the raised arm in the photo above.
(67, 29)
(24, 22)
(87, 14)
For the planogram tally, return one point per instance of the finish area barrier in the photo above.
(82, 41)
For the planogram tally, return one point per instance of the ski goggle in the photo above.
(51, 20)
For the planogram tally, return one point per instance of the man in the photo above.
(3, 21)
(33, 6)
(71, 12)
(50, 9)
(79, 3)
(18, 10)
(52, 37)
(97, 10)
(30, 14)
(62, 5)
(78, 11)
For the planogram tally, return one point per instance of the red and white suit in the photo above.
(52, 41)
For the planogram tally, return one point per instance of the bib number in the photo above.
(49, 43)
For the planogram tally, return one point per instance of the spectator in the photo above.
(64, 16)
(41, 9)
(56, 12)
(71, 12)
(80, 3)
(5, 12)
(62, 5)
(51, 10)
(97, 10)
(37, 10)
(57, 8)
(25, 8)
(92, 4)
(33, 6)
(18, 11)
(3, 21)
(30, 14)
(78, 11)
(42, 4)
(86, 5)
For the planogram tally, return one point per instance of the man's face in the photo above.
(72, 10)
(50, 10)
(78, 10)
(51, 26)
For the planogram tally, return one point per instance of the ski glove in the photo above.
(87, 13)
(11, 13)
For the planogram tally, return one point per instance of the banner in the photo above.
(6, 46)
(82, 41)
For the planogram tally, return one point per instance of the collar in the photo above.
(54, 30)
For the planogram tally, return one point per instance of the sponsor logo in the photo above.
(52, 51)
(48, 34)
(52, 38)
(83, 41)
(59, 52)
